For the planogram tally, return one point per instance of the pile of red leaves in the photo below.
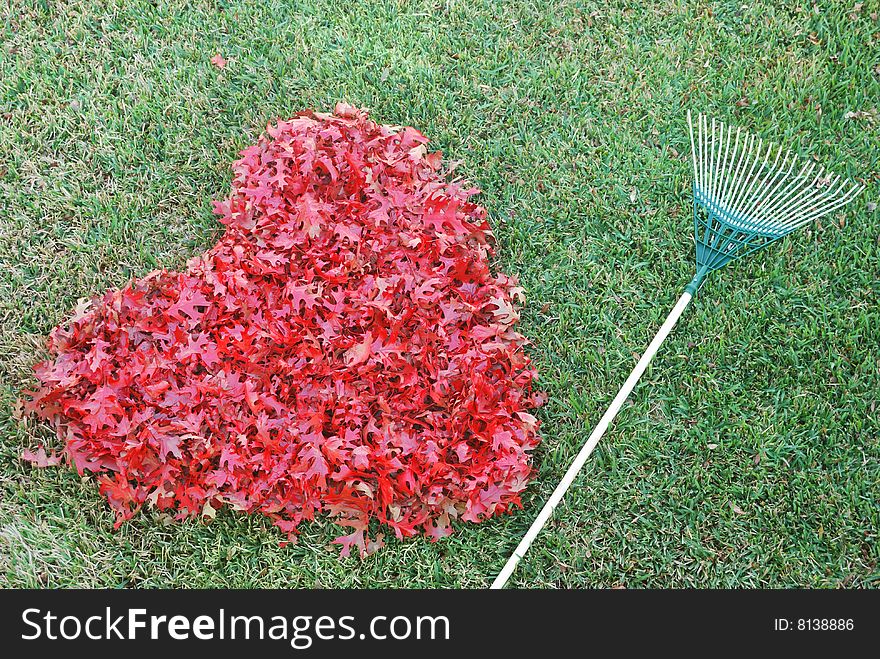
(343, 348)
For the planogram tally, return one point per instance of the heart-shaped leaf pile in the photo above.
(344, 348)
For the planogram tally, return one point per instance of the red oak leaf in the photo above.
(40, 459)
(359, 353)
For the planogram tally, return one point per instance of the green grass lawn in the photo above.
(748, 455)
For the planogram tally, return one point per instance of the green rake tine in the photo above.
(742, 202)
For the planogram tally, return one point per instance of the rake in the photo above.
(747, 194)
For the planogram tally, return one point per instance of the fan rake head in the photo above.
(748, 193)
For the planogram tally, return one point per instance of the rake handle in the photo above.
(592, 441)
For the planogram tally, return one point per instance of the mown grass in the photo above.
(748, 455)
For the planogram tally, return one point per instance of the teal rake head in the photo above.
(748, 193)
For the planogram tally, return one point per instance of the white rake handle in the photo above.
(594, 438)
